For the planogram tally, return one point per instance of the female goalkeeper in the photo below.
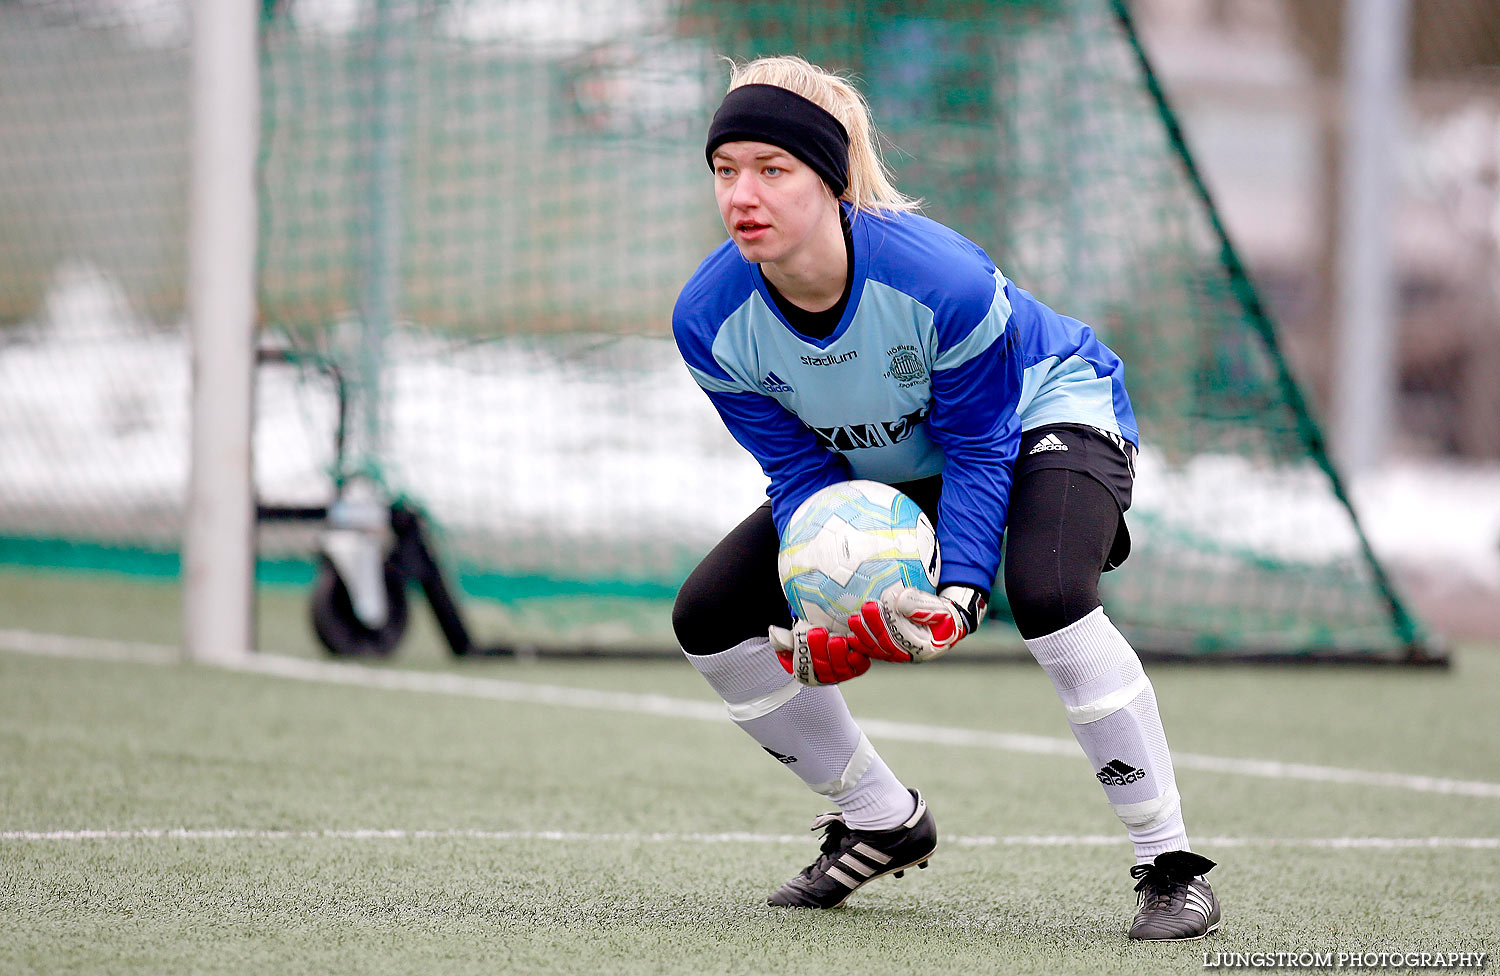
(840, 335)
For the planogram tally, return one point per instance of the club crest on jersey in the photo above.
(906, 366)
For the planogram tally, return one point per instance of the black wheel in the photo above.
(337, 627)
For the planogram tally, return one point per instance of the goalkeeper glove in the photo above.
(907, 624)
(815, 657)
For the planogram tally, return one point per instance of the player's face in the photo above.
(772, 203)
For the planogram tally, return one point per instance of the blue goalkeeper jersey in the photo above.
(935, 367)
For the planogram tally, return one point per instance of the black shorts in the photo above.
(1107, 458)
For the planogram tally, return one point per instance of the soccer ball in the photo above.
(849, 543)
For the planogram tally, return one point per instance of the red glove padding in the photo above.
(815, 657)
(909, 624)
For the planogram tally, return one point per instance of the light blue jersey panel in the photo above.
(846, 392)
(1068, 376)
(867, 394)
(1067, 392)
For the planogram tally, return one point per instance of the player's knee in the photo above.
(707, 619)
(692, 621)
(1042, 608)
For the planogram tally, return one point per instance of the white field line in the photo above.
(733, 837)
(58, 645)
(447, 683)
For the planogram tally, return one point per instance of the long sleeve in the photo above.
(975, 424)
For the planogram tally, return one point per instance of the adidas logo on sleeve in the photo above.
(1049, 442)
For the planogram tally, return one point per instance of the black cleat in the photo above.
(1175, 904)
(852, 858)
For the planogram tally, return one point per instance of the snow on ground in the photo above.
(1438, 517)
(603, 435)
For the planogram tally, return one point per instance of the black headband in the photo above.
(774, 115)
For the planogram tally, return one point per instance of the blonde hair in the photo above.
(870, 187)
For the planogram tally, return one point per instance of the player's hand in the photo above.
(815, 657)
(908, 624)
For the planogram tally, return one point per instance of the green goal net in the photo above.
(474, 220)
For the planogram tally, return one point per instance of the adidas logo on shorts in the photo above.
(1117, 773)
(1048, 443)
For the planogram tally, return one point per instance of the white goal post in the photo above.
(218, 535)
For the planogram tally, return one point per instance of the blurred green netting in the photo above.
(476, 217)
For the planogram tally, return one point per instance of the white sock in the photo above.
(1112, 711)
(809, 730)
